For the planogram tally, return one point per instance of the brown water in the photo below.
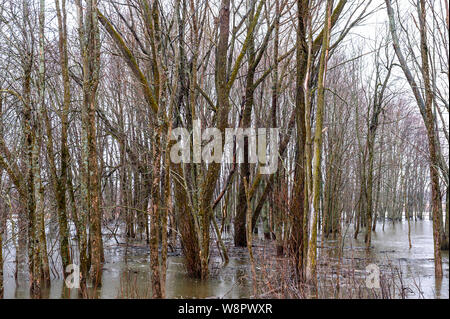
(126, 271)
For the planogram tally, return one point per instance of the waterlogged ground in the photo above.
(126, 274)
(417, 264)
(126, 270)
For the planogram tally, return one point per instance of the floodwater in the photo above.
(417, 264)
(126, 270)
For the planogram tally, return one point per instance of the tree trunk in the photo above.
(311, 272)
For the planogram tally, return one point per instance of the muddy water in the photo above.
(126, 271)
(126, 274)
(129, 279)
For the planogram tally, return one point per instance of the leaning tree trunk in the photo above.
(425, 108)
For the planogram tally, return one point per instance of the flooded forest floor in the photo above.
(342, 273)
